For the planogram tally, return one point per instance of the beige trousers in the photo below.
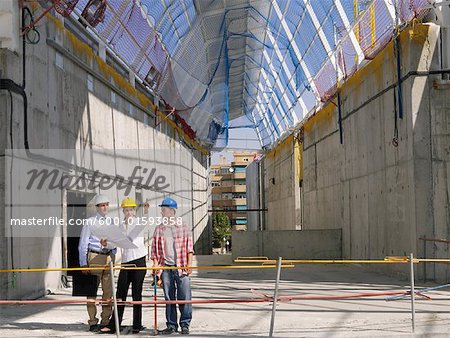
(104, 277)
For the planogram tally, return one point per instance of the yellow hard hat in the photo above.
(128, 202)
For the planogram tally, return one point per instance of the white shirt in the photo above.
(90, 242)
(138, 239)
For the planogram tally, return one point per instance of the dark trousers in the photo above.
(135, 278)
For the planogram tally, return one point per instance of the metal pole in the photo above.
(155, 324)
(424, 264)
(413, 311)
(341, 134)
(116, 315)
(275, 296)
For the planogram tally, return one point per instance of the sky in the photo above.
(238, 139)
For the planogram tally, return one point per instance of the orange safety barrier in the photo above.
(264, 298)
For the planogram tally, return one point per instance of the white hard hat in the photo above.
(99, 199)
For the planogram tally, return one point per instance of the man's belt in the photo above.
(100, 252)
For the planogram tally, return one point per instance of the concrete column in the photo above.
(3, 240)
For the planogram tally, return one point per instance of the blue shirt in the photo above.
(90, 242)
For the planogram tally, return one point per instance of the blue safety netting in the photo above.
(226, 64)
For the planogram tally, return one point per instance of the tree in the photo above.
(221, 228)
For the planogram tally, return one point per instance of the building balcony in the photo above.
(216, 177)
(232, 188)
(233, 176)
(229, 202)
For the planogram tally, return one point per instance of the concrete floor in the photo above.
(364, 317)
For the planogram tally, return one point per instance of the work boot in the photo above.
(137, 330)
(168, 330)
(94, 328)
(185, 330)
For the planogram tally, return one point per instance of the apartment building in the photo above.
(228, 181)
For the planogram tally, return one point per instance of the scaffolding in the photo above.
(261, 64)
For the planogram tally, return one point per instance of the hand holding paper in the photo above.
(113, 234)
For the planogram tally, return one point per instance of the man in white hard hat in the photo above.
(95, 252)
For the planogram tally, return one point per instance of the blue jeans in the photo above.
(177, 288)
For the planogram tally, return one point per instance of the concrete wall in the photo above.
(377, 192)
(439, 165)
(289, 244)
(63, 113)
(281, 187)
(382, 195)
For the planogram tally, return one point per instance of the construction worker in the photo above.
(172, 246)
(130, 257)
(95, 252)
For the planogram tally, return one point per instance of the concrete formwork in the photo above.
(383, 195)
(75, 104)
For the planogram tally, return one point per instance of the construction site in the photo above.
(120, 212)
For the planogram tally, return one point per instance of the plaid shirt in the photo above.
(183, 245)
